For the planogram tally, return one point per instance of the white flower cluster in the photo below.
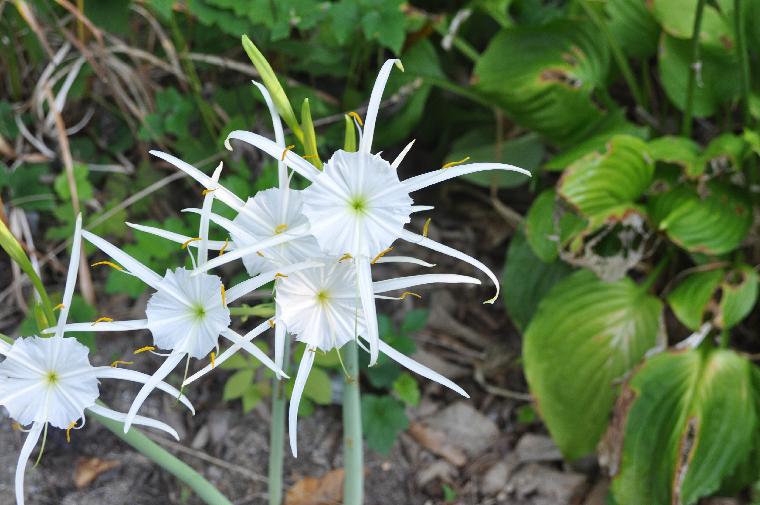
(319, 247)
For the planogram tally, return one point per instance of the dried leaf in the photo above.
(88, 469)
(325, 490)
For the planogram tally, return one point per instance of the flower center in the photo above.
(323, 297)
(52, 378)
(358, 204)
(199, 311)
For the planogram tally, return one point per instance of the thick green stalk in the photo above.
(145, 446)
(741, 49)
(353, 449)
(693, 68)
(277, 433)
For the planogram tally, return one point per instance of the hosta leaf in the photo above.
(633, 26)
(677, 19)
(527, 279)
(713, 222)
(680, 151)
(690, 299)
(547, 229)
(738, 296)
(544, 76)
(586, 335)
(726, 149)
(691, 423)
(600, 184)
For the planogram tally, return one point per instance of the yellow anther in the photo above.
(285, 151)
(213, 359)
(108, 263)
(187, 242)
(409, 293)
(224, 296)
(455, 163)
(310, 156)
(382, 253)
(144, 349)
(271, 323)
(224, 247)
(345, 257)
(259, 253)
(68, 431)
(118, 362)
(15, 426)
(426, 227)
(357, 117)
(278, 275)
(59, 306)
(207, 191)
(102, 320)
(280, 228)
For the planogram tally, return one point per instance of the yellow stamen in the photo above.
(345, 257)
(68, 431)
(224, 296)
(187, 242)
(260, 253)
(455, 163)
(213, 358)
(144, 349)
(278, 275)
(118, 362)
(59, 306)
(271, 323)
(224, 247)
(15, 426)
(102, 320)
(280, 228)
(357, 117)
(108, 263)
(382, 253)
(207, 191)
(409, 293)
(310, 156)
(426, 227)
(285, 152)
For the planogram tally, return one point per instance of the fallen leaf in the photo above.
(325, 490)
(88, 469)
(437, 442)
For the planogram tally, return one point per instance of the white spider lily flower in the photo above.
(51, 381)
(321, 307)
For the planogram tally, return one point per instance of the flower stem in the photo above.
(741, 49)
(277, 433)
(693, 69)
(353, 450)
(145, 446)
(656, 272)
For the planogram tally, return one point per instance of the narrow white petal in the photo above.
(221, 193)
(435, 246)
(107, 372)
(280, 336)
(419, 280)
(208, 201)
(138, 420)
(254, 283)
(419, 368)
(295, 398)
(443, 174)
(5, 346)
(298, 164)
(137, 269)
(131, 325)
(421, 208)
(71, 276)
(257, 353)
(402, 155)
(374, 105)
(404, 259)
(26, 450)
(225, 223)
(213, 245)
(159, 375)
(279, 135)
(364, 280)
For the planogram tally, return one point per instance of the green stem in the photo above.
(246, 311)
(617, 53)
(277, 433)
(353, 449)
(725, 338)
(462, 45)
(741, 49)
(145, 446)
(656, 272)
(693, 68)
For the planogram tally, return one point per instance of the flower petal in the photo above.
(419, 280)
(213, 245)
(208, 201)
(158, 376)
(71, 276)
(138, 420)
(443, 174)
(257, 353)
(254, 283)
(130, 325)
(374, 104)
(280, 337)
(107, 372)
(279, 135)
(364, 280)
(291, 159)
(404, 259)
(26, 450)
(295, 398)
(421, 208)
(435, 246)
(402, 155)
(136, 268)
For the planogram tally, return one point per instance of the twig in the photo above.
(499, 391)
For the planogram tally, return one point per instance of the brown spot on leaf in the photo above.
(610, 448)
(559, 75)
(727, 42)
(684, 455)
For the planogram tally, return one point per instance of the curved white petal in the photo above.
(374, 104)
(107, 372)
(138, 420)
(279, 135)
(257, 353)
(131, 325)
(136, 268)
(295, 398)
(280, 337)
(71, 276)
(26, 450)
(419, 280)
(421, 208)
(222, 221)
(443, 174)
(158, 376)
(221, 193)
(254, 283)
(404, 259)
(291, 159)
(438, 247)
(402, 155)
(419, 368)
(364, 281)
(208, 201)
(213, 245)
